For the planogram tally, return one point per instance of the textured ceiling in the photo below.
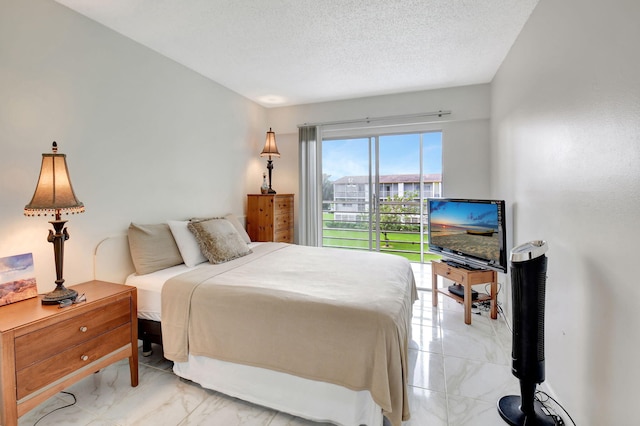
(287, 52)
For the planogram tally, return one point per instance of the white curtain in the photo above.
(310, 231)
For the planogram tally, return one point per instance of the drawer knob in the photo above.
(84, 357)
(83, 329)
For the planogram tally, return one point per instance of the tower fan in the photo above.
(528, 279)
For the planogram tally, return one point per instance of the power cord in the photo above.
(485, 305)
(504, 317)
(543, 398)
(59, 408)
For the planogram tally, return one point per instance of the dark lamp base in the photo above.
(271, 191)
(59, 294)
(510, 410)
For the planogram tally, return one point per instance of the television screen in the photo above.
(472, 232)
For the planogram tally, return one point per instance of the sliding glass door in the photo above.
(374, 191)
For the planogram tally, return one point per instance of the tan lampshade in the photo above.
(270, 147)
(54, 192)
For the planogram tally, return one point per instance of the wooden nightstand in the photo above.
(45, 349)
(270, 217)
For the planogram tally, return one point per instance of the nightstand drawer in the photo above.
(49, 341)
(51, 369)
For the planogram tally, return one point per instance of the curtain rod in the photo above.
(370, 119)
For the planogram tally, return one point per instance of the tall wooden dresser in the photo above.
(270, 217)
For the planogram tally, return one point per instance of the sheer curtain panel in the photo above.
(310, 231)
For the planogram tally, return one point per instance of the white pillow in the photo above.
(187, 243)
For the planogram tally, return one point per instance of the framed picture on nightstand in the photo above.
(17, 278)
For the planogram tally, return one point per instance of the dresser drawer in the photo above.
(283, 205)
(51, 369)
(49, 341)
(282, 222)
(284, 236)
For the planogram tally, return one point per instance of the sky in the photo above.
(399, 154)
(14, 268)
(455, 213)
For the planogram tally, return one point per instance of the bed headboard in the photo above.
(112, 260)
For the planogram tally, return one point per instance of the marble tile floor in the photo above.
(457, 374)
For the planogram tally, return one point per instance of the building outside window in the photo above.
(351, 193)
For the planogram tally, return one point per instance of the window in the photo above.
(406, 168)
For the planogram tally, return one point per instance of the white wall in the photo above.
(146, 139)
(466, 147)
(566, 137)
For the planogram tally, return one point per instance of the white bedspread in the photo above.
(150, 287)
(324, 314)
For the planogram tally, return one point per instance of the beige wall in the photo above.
(146, 139)
(566, 139)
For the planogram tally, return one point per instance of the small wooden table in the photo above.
(44, 348)
(466, 278)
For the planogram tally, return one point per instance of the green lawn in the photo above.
(403, 244)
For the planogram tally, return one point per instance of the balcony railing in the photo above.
(400, 230)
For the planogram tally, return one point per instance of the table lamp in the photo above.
(53, 196)
(270, 149)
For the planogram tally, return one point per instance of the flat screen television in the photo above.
(468, 232)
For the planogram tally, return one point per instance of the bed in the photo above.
(315, 332)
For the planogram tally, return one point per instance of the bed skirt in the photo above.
(283, 392)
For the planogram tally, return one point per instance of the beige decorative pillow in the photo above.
(219, 240)
(152, 247)
(235, 221)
